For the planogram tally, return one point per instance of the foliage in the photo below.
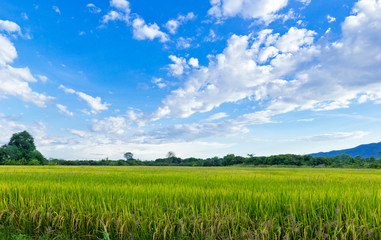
(129, 156)
(22, 140)
(190, 203)
(20, 151)
(171, 154)
(339, 161)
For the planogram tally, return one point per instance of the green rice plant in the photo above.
(56, 202)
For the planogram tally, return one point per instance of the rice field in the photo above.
(55, 202)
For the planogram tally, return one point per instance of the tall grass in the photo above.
(190, 203)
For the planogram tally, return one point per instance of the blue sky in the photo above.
(95, 79)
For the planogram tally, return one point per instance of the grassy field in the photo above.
(189, 203)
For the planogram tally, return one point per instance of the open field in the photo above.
(189, 203)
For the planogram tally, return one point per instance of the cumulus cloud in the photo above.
(110, 125)
(9, 127)
(284, 73)
(9, 27)
(173, 24)
(15, 81)
(142, 31)
(178, 66)
(121, 5)
(248, 9)
(37, 129)
(121, 11)
(7, 51)
(184, 43)
(294, 39)
(95, 104)
(236, 74)
(193, 62)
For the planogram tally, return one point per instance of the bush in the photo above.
(34, 162)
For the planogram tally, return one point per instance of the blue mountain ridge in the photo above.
(365, 150)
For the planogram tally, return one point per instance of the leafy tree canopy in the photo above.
(21, 150)
(128, 156)
(23, 140)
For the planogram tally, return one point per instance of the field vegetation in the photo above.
(76, 202)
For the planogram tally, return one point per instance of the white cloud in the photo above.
(306, 120)
(122, 11)
(235, 74)
(284, 73)
(7, 51)
(63, 109)
(212, 37)
(121, 5)
(142, 31)
(193, 131)
(335, 136)
(37, 130)
(95, 104)
(178, 66)
(173, 24)
(110, 125)
(184, 43)
(248, 9)
(42, 78)
(216, 116)
(9, 27)
(294, 39)
(79, 133)
(94, 146)
(67, 90)
(93, 9)
(159, 82)
(113, 15)
(330, 19)
(15, 81)
(56, 9)
(305, 2)
(24, 16)
(193, 62)
(7, 128)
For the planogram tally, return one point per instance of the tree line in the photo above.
(339, 161)
(21, 151)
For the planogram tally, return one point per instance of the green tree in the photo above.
(171, 154)
(21, 150)
(23, 140)
(128, 156)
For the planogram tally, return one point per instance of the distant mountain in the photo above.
(365, 150)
